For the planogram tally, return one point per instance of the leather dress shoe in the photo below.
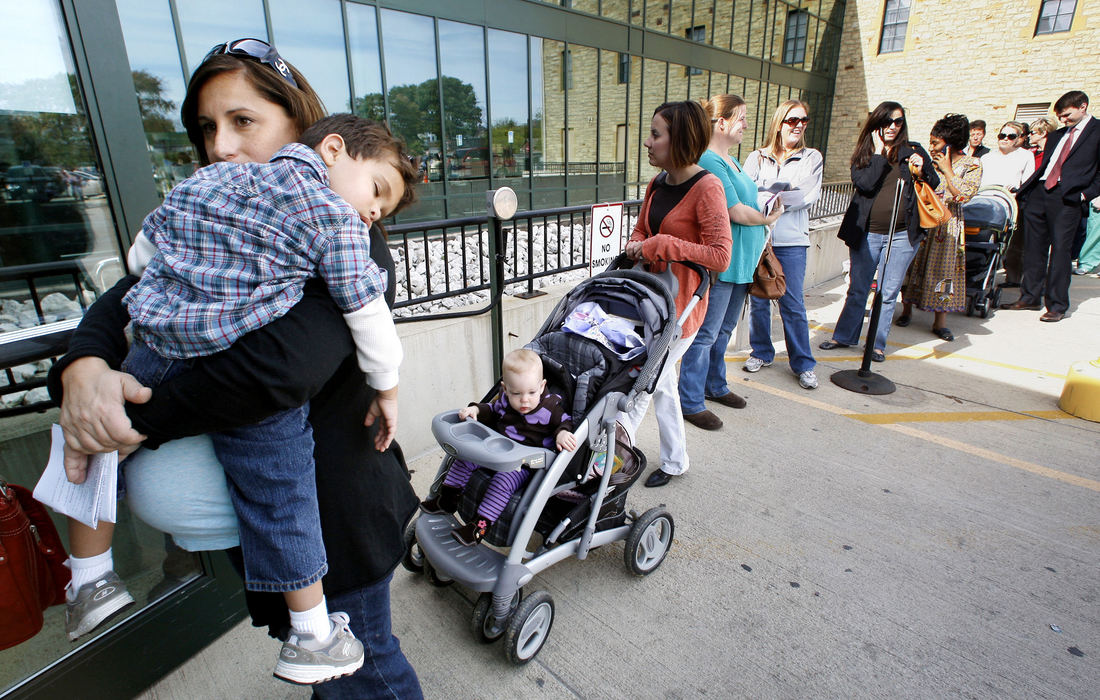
(729, 399)
(1052, 316)
(1021, 305)
(704, 419)
(658, 478)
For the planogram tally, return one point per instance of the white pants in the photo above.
(670, 422)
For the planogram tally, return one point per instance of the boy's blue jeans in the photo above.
(269, 469)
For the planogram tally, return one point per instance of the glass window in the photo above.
(59, 247)
(584, 153)
(508, 94)
(547, 124)
(465, 134)
(161, 84)
(613, 131)
(624, 68)
(311, 36)
(1055, 16)
(366, 66)
(794, 43)
(566, 70)
(654, 93)
(657, 14)
(895, 19)
(205, 23)
(409, 43)
(697, 33)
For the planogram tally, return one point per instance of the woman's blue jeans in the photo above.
(792, 309)
(703, 367)
(865, 261)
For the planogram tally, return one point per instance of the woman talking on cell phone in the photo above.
(937, 278)
(882, 157)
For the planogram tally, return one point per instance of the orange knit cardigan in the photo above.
(697, 230)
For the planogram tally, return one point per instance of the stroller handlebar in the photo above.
(622, 262)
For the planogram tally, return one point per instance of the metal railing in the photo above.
(449, 259)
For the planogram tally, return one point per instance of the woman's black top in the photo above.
(883, 206)
(869, 181)
(665, 197)
(365, 496)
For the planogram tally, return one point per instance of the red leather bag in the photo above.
(33, 574)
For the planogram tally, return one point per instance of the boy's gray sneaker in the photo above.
(95, 603)
(753, 364)
(305, 660)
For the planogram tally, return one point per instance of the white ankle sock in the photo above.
(88, 569)
(313, 621)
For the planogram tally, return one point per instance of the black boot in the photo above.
(446, 501)
(472, 532)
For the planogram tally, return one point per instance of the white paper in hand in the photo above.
(89, 502)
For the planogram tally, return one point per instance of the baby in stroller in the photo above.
(524, 411)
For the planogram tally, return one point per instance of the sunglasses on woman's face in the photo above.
(257, 49)
(795, 121)
(1011, 137)
(899, 122)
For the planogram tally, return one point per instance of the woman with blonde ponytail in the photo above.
(703, 368)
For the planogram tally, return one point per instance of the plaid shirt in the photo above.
(236, 243)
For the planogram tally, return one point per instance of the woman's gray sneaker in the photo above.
(807, 379)
(95, 603)
(753, 364)
(305, 660)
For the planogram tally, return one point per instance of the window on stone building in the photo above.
(698, 34)
(624, 68)
(1055, 16)
(895, 20)
(794, 42)
(566, 70)
(620, 143)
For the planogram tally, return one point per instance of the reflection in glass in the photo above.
(549, 137)
(160, 84)
(511, 148)
(205, 23)
(582, 128)
(58, 249)
(311, 36)
(656, 82)
(613, 131)
(366, 69)
(409, 43)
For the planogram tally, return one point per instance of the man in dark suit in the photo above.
(977, 135)
(1054, 200)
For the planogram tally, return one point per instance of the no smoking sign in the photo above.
(605, 235)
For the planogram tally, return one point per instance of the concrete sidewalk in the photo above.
(943, 540)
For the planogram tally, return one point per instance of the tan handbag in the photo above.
(932, 210)
(768, 281)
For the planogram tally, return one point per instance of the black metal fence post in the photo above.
(496, 289)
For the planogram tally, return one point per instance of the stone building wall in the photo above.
(970, 56)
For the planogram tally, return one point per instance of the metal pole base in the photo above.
(863, 382)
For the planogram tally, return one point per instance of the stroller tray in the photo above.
(478, 567)
(477, 443)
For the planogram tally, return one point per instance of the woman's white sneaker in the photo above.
(807, 379)
(306, 660)
(753, 364)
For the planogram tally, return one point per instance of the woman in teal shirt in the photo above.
(703, 368)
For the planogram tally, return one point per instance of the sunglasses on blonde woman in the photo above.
(257, 49)
(1010, 137)
(795, 121)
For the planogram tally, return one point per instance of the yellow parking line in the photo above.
(1030, 467)
(916, 352)
(955, 416)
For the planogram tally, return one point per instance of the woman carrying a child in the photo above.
(683, 217)
(243, 104)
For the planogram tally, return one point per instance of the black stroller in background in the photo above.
(990, 222)
(573, 501)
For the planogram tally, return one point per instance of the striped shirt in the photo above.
(235, 243)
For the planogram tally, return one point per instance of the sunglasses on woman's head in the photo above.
(257, 49)
(794, 121)
(1011, 137)
(899, 122)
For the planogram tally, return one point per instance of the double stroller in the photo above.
(574, 501)
(990, 221)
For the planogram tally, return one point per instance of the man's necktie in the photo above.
(1056, 171)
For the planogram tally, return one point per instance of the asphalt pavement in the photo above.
(939, 541)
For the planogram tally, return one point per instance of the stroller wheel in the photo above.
(983, 309)
(413, 560)
(434, 577)
(529, 627)
(481, 622)
(971, 304)
(649, 541)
